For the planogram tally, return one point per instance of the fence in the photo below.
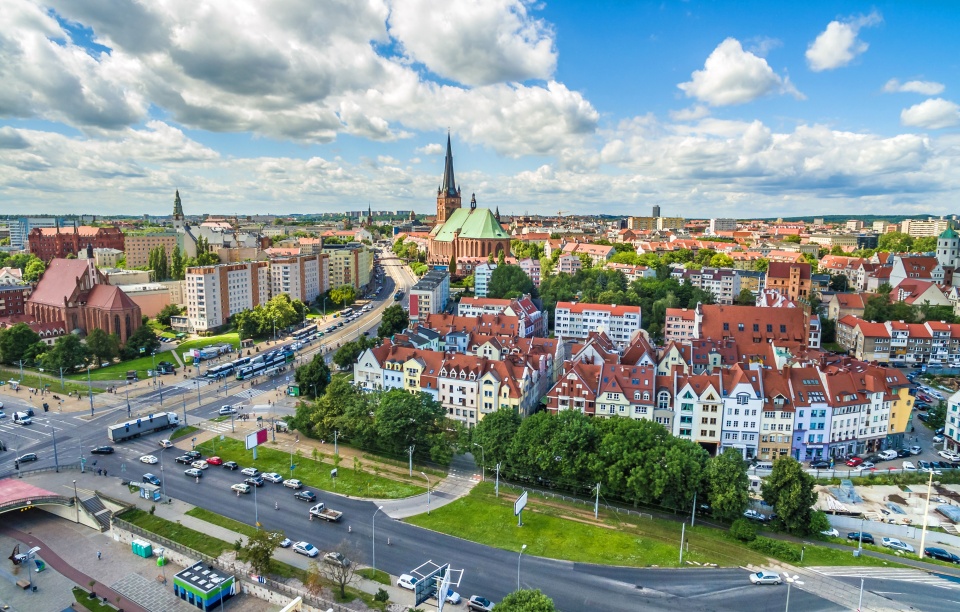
(249, 586)
(876, 528)
(36, 501)
(578, 500)
(63, 466)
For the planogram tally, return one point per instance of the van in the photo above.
(763, 465)
(21, 418)
(887, 455)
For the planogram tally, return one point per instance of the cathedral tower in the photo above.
(448, 196)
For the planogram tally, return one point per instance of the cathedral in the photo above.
(463, 233)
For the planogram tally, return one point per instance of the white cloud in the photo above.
(693, 113)
(734, 76)
(932, 114)
(927, 88)
(475, 43)
(434, 148)
(838, 45)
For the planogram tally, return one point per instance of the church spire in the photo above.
(177, 206)
(449, 186)
(497, 214)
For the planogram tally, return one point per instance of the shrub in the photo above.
(743, 530)
(153, 509)
(776, 548)
(382, 595)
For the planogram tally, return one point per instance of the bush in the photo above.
(153, 508)
(381, 595)
(743, 530)
(776, 548)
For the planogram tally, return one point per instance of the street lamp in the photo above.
(90, 391)
(522, 548)
(923, 533)
(483, 463)
(374, 564)
(56, 461)
(428, 491)
(790, 583)
(76, 500)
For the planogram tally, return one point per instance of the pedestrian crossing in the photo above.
(251, 393)
(191, 384)
(884, 573)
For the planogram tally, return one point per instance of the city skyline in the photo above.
(612, 107)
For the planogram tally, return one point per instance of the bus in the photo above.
(346, 312)
(270, 360)
(304, 333)
(220, 371)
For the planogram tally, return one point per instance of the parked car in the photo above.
(231, 465)
(406, 581)
(888, 455)
(896, 544)
(909, 467)
(937, 439)
(306, 548)
(866, 465)
(755, 516)
(273, 477)
(215, 460)
(101, 450)
(941, 554)
(152, 479)
(765, 577)
(864, 537)
(915, 450)
(854, 461)
(166, 443)
(832, 533)
(286, 543)
(184, 460)
(308, 496)
(292, 483)
(452, 597)
(903, 452)
(256, 481)
(193, 472)
(193, 454)
(479, 604)
(949, 455)
(250, 471)
(820, 464)
(241, 487)
(336, 558)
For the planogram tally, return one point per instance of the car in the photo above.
(336, 558)
(452, 597)
(832, 533)
(915, 450)
(148, 459)
(896, 544)
(819, 464)
(292, 483)
(193, 472)
(26, 457)
(272, 477)
(949, 455)
(909, 467)
(286, 543)
(866, 465)
(930, 469)
(215, 460)
(200, 464)
(941, 554)
(226, 410)
(250, 471)
(3, 414)
(184, 460)
(942, 465)
(406, 581)
(152, 479)
(887, 455)
(854, 461)
(306, 548)
(230, 465)
(754, 515)
(241, 487)
(864, 537)
(166, 443)
(923, 417)
(937, 439)
(923, 464)
(308, 496)
(193, 454)
(101, 450)
(903, 452)
(256, 481)
(765, 577)
(479, 604)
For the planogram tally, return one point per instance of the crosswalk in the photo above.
(191, 384)
(251, 393)
(884, 573)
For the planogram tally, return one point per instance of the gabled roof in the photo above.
(476, 223)
(59, 281)
(108, 297)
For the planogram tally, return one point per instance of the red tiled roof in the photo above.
(59, 281)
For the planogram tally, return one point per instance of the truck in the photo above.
(134, 428)
(321, 511)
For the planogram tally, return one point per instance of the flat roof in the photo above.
(203, 577)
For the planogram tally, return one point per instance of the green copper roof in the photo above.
(949, 234)
(472, 223)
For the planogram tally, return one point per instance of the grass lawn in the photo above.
(376, 575)
(190, 538)
(94, 604)
(314, 474)
(180, 432)
(34, 380)
(222, 521)
(819, 555)
(835, 347)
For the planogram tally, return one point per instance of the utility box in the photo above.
(142, 549)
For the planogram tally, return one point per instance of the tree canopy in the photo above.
(16, 342)
(726, 481)
(789, 489)
(313, 377)
(393, 321)
(508, 282)
(103, 347)
(526, 601)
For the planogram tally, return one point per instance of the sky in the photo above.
(718, 108)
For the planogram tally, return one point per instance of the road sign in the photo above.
(518, 507)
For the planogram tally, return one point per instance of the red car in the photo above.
(852, 462)
(215, 461)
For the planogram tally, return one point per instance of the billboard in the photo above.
(426, 587)
(256, 438)
(520, 504)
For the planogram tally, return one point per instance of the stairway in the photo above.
(96, 509)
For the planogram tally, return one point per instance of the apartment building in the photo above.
(535, 320)
(916, 268)
(430, 295)
(577, 320)
(723, 283)
(599, 254)
(951, 429)
(569, 263)
(722, 225)
(698, 410)
(919, 228)
(680, 325)
(930, 343)
(531, 267)
(302, 277)
(137, 247)
(605, 390)
(20, 230)
(13, 299)
(742, 393)
(215, 293)
(481, 278)
(350, 264)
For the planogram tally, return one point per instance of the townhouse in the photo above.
(577, 320)
(535, 320)
(931, 343)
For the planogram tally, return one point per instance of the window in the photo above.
(743, 398)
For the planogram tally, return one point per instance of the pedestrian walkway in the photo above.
(889, 573)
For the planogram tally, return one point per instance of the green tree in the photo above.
(343, 295)
(177, 264)
(313, 377)
(761, 264)
(789, 490)
(839, 282)
(393, 321)
(526, 601)
(398, 249)
(349, 352)
(103, 347)
(495, 432)
(937, 416)
(143, 337)
(927, 244)
(746, 298)
(453, 265)
(721, 260)
(258, 551)
(170, 310)
(791, 239)
(403, 419)
(895, 242)
(16, 341)
(320, 418)
(509, 282)
(68, 352)
(33, 270)
(501, 257)
(727, 486)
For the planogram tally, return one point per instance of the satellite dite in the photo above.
(434, 581)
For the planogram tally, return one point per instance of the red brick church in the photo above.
(51, 242)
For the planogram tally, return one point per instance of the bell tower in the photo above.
(448, 195)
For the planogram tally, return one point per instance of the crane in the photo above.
(560, 213)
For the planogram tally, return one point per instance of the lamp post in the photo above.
(62, 385)
(428, 491)
(256, 509)
(198, 389)
(923, 534)
(336, 434)
(90, 391)
(126, 391)
(163, 480)
(522, 548)
(153, 359)
(76, 500)
(483, 464)
(184, 396)
(56, 461)
(374, 564)
(790, 583)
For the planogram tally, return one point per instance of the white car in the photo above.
(250, 471)
(866, 465)
(148, 459)
(241, 487)
(833, 533)
(452, 597)
(166, 443)
(286, 543)
(406, 581)
(896, 544)
(887, 455)
(949, 455)
(273, 477)
(292, 483)
(909, 467)
(306, 548)
(754, 515)
(765, 577)
(200, 464)
(227, 410)
(937, 439)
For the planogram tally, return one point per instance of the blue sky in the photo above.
(707, 108)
